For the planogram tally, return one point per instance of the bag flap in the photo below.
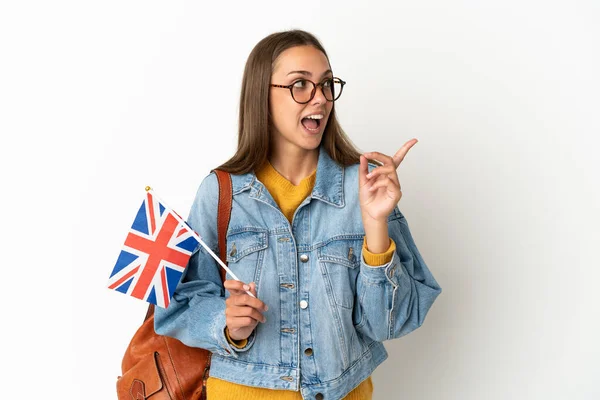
(143, 378)
(152, 379)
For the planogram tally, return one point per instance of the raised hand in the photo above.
(380, 191)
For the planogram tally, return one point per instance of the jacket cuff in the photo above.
(379, 275)
(238, 346)
(378, 259)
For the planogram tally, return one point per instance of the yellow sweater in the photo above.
(288, 197)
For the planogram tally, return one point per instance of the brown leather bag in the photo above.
(157, 367)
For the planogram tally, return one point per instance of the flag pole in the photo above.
(218, 259)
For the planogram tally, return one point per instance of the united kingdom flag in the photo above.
(155, 254)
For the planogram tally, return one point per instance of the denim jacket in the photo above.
(329, 311)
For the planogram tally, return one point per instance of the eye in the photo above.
(328, 82)
(300, 84)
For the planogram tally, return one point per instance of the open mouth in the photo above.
(312, 122)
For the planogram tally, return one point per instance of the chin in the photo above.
(313, 144)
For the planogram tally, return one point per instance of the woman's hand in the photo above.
(380, 191)
(242, 311)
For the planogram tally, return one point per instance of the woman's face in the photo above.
(292, 129)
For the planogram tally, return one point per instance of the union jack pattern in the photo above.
(154, 255)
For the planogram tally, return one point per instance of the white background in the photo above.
(100, 99)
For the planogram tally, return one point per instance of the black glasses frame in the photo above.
(314, 90)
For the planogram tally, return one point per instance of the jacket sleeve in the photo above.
(393, 299)
(196, 313)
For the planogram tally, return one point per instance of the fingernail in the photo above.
(246, 287)
(266, 307)
(369, 175)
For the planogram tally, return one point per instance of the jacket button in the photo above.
(303, 304)
(308, 352)
(319, 396)
(304, 258)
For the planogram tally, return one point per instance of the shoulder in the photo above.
(202, 216)
(208, 188)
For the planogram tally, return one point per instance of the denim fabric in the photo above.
(321, 294)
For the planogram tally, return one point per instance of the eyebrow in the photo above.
(307, 73)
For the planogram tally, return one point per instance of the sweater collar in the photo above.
(329, 183)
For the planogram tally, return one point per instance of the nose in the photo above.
(319, 96)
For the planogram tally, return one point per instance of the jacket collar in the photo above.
(329, 183)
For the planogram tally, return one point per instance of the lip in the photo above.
(312, 131)
(317, 131)
(314, 113)
(322, 123)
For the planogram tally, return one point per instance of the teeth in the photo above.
(318, 116)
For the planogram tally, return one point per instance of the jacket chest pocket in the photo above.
(339, 262)
(245, 252)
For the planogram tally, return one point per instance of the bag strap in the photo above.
(223, 216)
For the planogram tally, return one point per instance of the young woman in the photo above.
(315, 234)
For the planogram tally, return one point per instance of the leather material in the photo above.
(156, 367)
(225, 201)
(137, 391)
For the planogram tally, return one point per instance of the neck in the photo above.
(295, 165)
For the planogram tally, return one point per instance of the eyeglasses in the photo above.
(304, 90)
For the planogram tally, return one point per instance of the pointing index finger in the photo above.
(400, 154)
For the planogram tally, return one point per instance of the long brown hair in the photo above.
(254, 120)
